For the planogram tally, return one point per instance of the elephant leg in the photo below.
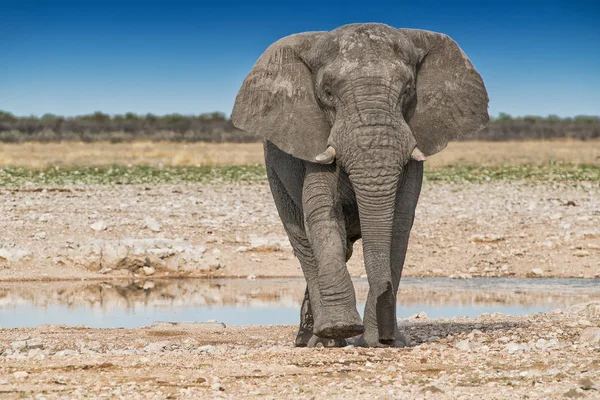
(406, 202)
(293, 222)
(332, 299)
(305, 336)
(305, 331)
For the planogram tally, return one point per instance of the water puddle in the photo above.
(267, 301)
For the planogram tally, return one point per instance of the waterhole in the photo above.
(267, 301)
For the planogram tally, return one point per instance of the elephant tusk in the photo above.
(418, 155)
(326, 157)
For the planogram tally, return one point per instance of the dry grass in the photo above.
(38, 155)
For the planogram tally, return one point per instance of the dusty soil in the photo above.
(551, 355)
(461, 230)
(169, 153)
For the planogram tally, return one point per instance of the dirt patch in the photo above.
(539, 356)
(493, 229)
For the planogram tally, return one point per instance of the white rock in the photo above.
(13, 254)
(66, 353)
(156, 347)
(136, 253)
(463, 345)
(40, 235)
(149, 271)
(99, 226)
(590, 335)
(21, 375)
(486, 238)
(581, 253)
(151, 224)
(19, 345)
(537, 272)
(207, 349)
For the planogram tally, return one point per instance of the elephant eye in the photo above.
(328, 93)
(407, 92)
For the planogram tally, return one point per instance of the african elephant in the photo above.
(348, 117)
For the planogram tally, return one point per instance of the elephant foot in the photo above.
(339, 329)
(372, 340)
(303, 337)
(316, 341)
(338, 323)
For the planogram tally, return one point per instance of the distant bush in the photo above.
(216, 127)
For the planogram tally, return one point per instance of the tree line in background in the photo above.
(216, 127)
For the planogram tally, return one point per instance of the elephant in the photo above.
(348, 117)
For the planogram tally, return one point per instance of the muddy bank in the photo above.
(496, 229)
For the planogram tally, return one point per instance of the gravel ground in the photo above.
(494, 229)
(551, 355)
(461, 230)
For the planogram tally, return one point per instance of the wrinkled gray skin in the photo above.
(369, 94)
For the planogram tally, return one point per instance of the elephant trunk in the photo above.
(374, 170)
(376, 213)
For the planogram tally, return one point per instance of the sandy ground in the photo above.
(168, 153)
(552, 355)
(461, 230)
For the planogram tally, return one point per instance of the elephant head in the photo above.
(368, 97)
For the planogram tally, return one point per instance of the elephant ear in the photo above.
(451, 100)
(277, 99)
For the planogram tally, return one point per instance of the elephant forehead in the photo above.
(361, 35)
(365, 42)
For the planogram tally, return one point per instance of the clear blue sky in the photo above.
(76, 57)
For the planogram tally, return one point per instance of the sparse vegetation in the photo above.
(123, 175)
(216, 127)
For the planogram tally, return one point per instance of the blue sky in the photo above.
(76, 57)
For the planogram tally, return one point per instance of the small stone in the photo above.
(149, 271)
(156, 347)
(251, 277)
(486, 238)
(432, 389)
(537, 272)
(590, 335)
(40, 235)
(21, 375)
(66, 353)
(99, 226)
(35, 344)
(581, 253)
(463, 345)
(207, 349)
(151, 224)
(574, 393)
(584, 322)
(556, 216)
(19, 345)
(587, 384)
